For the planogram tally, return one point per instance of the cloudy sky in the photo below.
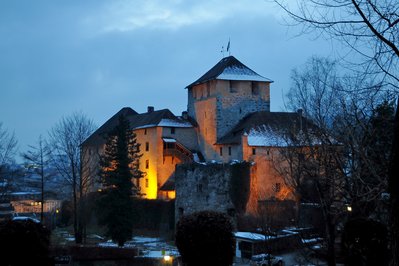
(94, 56)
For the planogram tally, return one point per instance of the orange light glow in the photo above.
(171, 194)
(152, 189)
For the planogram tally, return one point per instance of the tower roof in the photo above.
(229, 68)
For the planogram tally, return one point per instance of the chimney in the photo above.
(184, 114)
(150, 109)
(300, 111)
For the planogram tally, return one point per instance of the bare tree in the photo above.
(8, 146)
(368, 27)
(334, 156)
(65, 139)
(38, 158)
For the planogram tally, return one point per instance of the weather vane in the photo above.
(227, 49)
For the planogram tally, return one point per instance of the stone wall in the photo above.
(205, 187)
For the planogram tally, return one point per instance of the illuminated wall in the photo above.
(266, 183)
(218, 105)
(149, 160)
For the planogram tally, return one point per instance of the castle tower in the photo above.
(221, 98)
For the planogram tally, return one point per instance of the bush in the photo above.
(205, 238)
(24, 242)
(364, 242)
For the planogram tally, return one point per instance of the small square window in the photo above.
(147, 146)
(255, 88)
(145, 131)
(221, 151)
(233, 86)
(253, 151)
(277, 187)
(147, 164)
(172, 130)
(229, 150)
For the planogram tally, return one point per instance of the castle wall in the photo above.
(185, 136)
(202, 187)
(235, 100)
(206, 118)
(266, 182)
(149, 160)
(218, 106)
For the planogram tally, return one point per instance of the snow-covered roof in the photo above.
(229, 68)
(250, 236)
(265, 136)
(174, 123)
(266, 128)
(169, 140)
(240, 73)
(161, 118)
(25, 218)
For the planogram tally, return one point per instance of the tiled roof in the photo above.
(164, 118)
(109, 125)
(229, 68)
(273, 124)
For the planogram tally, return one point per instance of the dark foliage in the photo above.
(153, 214)
(365, 243)
(24, 243)
(394, 191)
(66, 213)
(205, 238)
(119, 165)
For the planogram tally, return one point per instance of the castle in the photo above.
(228, 119)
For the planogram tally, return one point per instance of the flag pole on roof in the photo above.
(228, 47)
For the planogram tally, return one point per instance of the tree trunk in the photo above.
(393, 187)
(78, 235)
(330, 230)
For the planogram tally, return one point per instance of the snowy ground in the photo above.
(149, 247)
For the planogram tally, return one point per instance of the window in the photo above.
(255, 88)
(147, 146)
(172, 130)
(253, 151)
(146, 182)
(221, 151)
(277, 187)
(147, 164)
(181, 211)
(229, 150)
(199, 187)
(145, 131)
(233, 86)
